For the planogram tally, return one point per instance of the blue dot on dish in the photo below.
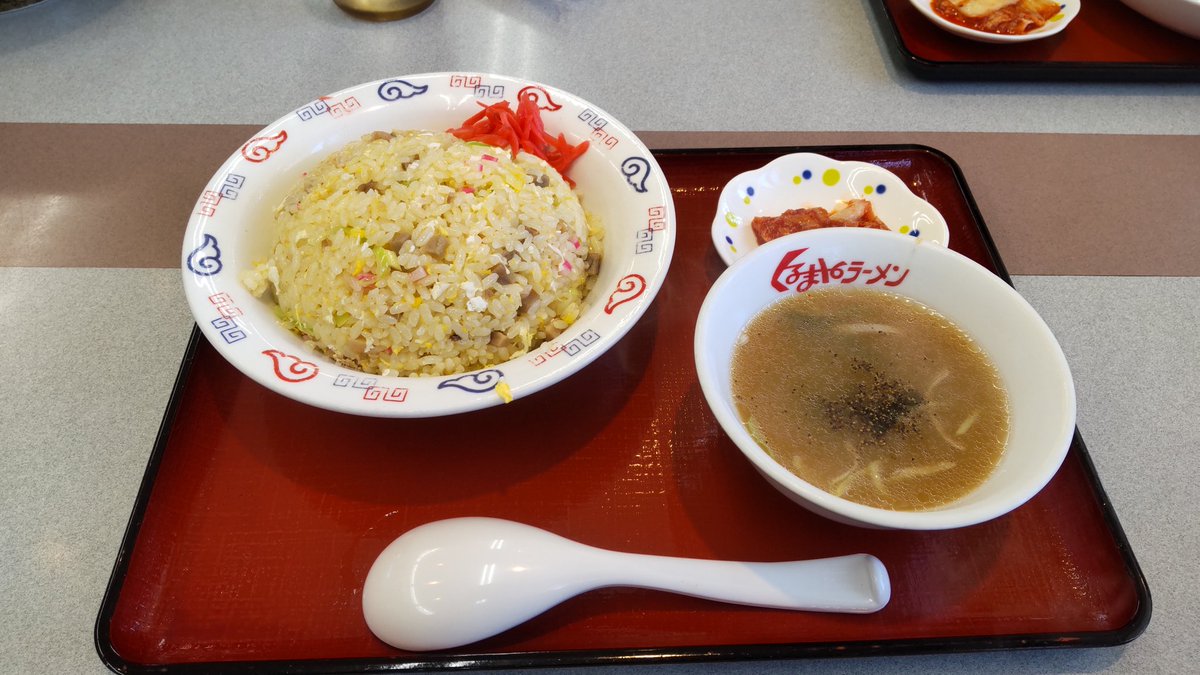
(912, 233)
(880, 189)
(750, 191)
(728, 241)
(807, 174)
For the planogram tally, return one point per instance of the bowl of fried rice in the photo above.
(428, 244)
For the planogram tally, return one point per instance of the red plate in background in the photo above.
(259, 517)
(1107, 41)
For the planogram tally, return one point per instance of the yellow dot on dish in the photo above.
(733, 248)
(1057, 17)
(796, 179)
(831, 177)
(731, 219)
(903, 229)
(745, 200)
(868, 190)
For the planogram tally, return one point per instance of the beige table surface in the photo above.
(1089, 190)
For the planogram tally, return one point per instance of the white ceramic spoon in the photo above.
(457, 581)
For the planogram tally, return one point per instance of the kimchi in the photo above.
(1006, 17)
(855, 213)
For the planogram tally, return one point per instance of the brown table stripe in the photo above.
(104, 195)
(99, 195)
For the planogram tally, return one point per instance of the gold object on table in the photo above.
(383, 10)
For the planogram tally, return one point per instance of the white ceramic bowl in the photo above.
(1069, 10)
(1179, 15)
(1029, 360)
(231, 228)
(806, 180)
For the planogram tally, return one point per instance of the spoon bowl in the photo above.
(457, 581)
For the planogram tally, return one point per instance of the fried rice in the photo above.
(415, 253)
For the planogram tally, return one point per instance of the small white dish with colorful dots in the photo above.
(1068, 10)
(806, 180)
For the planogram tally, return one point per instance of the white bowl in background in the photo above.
(1182, 16)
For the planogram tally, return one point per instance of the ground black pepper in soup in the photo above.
(870, 396)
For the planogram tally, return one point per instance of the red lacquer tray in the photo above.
(259, 517)
(1107, 41)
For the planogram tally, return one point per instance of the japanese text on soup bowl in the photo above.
(797, 274)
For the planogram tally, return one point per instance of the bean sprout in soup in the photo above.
(871, 397)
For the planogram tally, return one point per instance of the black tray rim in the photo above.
(728, 653)
(1060, 71)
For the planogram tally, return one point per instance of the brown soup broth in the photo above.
(870, 396)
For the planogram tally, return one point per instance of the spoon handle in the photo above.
(853, 583)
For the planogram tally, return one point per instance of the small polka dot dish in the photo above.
(807, 180)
